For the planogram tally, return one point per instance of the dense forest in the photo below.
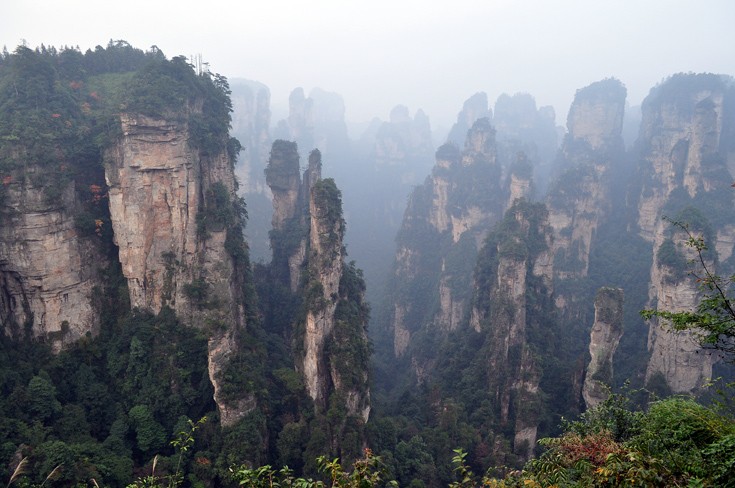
(137, 380)
(501, 344)
(115, 397)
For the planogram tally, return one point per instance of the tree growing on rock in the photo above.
(713, 320)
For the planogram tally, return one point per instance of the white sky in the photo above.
(420, 53)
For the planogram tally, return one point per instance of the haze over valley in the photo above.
(391, 242)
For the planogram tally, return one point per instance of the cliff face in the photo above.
(158, 186)
(284, 179)
(403, 141)
(676, 357)
(327, 368)
(316, 121)
(308, 256)
(513, 297)
(251, 125)
(522, 127)
(454, 210)
(686, 149)
(604, 340)
(520, 185)
(580, 198)
(48, 266)
(164, 201)
(155, 194)
(474, 108)
(325, 270)
(597, 118)
(443, 225)
(251, 121)
(289, 220)
(686, 143)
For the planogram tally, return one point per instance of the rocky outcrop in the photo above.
(308, 255)
(687, 144)
(251, 125)
(171, 210)
(475, 108)
(158, 184)
(335, 342)
(289, 222)
(523, 127)
(604, 339)
(443, 226)
(686, 150)
(677, 359)
(289, 239)
(251, 120)
(596, 116)
(284, 179)
(579, 200)
(581, 208)
(520, 180)
(403, 142)
(325, 270)
(48, 265)
(316, 121)
(327, 369)
(512, 295)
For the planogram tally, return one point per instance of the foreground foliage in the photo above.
(675, 442)
(713, 322)
(367, 471)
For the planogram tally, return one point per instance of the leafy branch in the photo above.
(366, 472)
(713, 321)
(182, 443)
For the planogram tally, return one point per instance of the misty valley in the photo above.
(193, 293)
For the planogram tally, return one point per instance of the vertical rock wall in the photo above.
(676, 357)
(474, 108)
(155, 194)
(686, 141)
(686, 146)
(48, 268)
(251, 125)
(160, 191)
(325, 271)
(580, 198)
(604, 340)
(327, 366)
(289, 220)
(518, 252)
(443, 226)
(309, 236)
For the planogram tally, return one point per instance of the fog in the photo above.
(421, 54)
(497, 265)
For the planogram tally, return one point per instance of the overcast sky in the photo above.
(420, 53)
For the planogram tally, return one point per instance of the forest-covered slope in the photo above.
(505, 371)
(130, 311)
(128, 299)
